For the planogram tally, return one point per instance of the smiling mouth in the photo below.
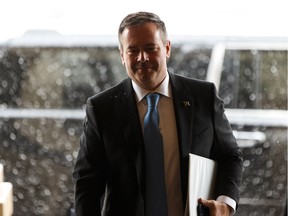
(144, 70)
(144, 67)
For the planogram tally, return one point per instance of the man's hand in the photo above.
(216, 208)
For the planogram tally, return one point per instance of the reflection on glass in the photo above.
(38, 153)
(254, 79)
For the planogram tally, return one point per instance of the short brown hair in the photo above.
(141, 18)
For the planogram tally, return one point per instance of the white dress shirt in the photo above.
(168, 129)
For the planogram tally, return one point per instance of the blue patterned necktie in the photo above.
(156, 199)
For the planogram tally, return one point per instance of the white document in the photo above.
(202, 180)
(1, 173)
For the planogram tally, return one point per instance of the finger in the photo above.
(215, 208)
(204, 202)
(200, 201)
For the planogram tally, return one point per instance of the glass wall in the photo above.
(257, 80)
(41, 89)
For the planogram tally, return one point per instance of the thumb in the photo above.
(204, 202)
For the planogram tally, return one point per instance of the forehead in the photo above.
(147, 33)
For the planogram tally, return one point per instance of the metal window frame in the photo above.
(249, 117)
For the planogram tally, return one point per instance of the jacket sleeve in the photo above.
(89, 175)
(226, 152)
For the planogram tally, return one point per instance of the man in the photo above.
(111, 169)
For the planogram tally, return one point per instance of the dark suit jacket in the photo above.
(111, 161)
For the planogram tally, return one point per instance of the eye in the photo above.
(151, 49)
(132, 51)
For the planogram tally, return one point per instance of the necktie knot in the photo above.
(152, 99)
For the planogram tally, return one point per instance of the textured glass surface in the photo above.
(38, 153)
(254, 79)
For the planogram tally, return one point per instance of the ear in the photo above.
(122, 57)
(168, 49)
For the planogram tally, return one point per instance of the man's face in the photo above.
(144, 55)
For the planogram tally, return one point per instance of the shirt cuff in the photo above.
(228, 201)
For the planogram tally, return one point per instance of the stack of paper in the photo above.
(1, 173)
(202, 180)
(6, 196)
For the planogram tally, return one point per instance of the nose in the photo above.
(143, 56)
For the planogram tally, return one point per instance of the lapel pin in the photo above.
(186, 103)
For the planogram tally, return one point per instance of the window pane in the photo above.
(254, 79)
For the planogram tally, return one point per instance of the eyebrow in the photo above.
(146, 45)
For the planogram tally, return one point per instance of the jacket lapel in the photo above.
(131, 126)
(183, 105)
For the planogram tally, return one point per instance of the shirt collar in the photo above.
(164, 89)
